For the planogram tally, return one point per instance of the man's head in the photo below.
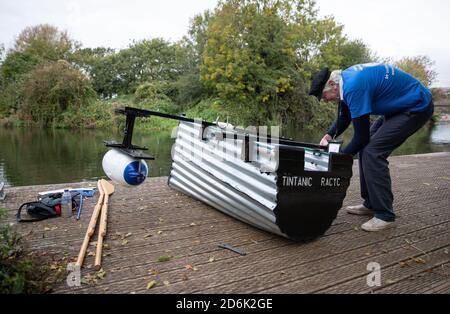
(325, 84)
(331, 92)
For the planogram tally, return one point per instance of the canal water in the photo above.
(37, 156)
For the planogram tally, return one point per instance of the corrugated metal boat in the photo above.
(288, 188)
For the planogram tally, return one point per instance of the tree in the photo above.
(259, 53)
(99, 64)
(189, 87)
(355, 52)
(145, 61)
(34, 46)
(421, 67)
(52, 89)
(2, 53)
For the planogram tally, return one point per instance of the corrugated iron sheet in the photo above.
(213, 171)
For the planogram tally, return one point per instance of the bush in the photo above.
(13, 270)
(153, 96)
(18, 272)
(53, 89)
(210, 110)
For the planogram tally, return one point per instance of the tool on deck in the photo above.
(83, 192)
(108, 189)
(92, 224)
(233, 249)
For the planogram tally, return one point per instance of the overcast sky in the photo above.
(392, 28)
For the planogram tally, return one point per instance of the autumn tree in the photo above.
(33, 46)
(53, 89)
(259, 54)
(421, 67)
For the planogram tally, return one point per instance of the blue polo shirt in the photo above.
(382, 89)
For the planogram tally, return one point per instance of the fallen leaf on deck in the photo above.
(211, 259)
(419, 260)
(166, 283)
(154, 272)
(101, 274)
(428, 184)
(159, 232)
(151, 284)
(47, 229)
(124, 242)
(193, 224)
(128, 234)
(91, 254)
(164, 258)
(390, 281)
(147, 236)
(190, 267)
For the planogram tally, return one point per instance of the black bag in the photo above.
(47, 206)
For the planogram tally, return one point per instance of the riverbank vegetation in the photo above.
(248, 62)
(20, 271)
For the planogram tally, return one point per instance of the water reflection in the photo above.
(441, 133)
(36, 156)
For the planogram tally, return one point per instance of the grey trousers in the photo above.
(386, 134)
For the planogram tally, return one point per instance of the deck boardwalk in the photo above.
(153, 220)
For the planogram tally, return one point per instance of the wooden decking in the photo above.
(153, 221)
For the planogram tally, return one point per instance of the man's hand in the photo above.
(325, 140)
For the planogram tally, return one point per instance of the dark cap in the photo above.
(318, 83)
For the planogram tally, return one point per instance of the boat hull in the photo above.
(289, 190)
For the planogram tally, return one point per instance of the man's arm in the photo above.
(361, 137)
(342, 122)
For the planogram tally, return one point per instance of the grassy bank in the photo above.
(23, 272)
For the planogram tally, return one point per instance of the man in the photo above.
(404, 105)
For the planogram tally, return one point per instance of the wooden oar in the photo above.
(108, 189)
(91, 228)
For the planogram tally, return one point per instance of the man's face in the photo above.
(332, 94)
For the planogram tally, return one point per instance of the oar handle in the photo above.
(101, 233)
(90, 231)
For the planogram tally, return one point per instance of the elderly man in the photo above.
(404, 105)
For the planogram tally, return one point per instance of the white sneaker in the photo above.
(359, 210)
(376, 224)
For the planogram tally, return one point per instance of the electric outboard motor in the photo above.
(125, 163)
(124, 169)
